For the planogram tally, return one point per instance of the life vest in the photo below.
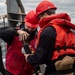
(15, 60)
(65, 39)
(65, 42)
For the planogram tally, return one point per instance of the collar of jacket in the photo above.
(59, 19)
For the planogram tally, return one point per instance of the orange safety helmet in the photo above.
(43, 6)
(31, 20)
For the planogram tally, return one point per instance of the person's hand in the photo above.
(26, 56)
(23, 35)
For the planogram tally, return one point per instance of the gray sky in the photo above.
(67, 6)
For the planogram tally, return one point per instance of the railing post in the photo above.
(2, 69)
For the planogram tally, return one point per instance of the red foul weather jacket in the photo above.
(15, 60)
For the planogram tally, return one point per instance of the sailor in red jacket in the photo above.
(56, 41)
(15, 60)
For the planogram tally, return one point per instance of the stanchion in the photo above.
(2, 69)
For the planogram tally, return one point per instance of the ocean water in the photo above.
(67, 6)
